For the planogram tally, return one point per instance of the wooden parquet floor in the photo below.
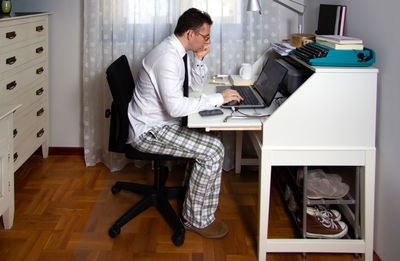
(63, 211)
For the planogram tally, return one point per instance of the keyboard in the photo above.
(247, 94)
(310, 51)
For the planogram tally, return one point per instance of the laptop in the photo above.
(263, 90)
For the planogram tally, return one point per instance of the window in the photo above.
(148, 11)
(225, 11)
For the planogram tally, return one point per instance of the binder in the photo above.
(331, 19)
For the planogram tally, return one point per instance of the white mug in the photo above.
(245, 71)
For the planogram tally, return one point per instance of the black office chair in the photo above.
(121, 84)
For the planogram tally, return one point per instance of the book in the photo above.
(237, 80)
(339, 39)
(337, 20)
(331, 19)
(341, 46)
(340, 19)
(343, 11)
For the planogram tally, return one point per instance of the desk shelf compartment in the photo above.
(349, 206)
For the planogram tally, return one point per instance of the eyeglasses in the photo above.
(205, 37)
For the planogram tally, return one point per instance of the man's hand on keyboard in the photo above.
(230, 95)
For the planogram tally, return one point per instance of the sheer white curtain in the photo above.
(134, 27)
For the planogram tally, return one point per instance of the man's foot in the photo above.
(216, 229)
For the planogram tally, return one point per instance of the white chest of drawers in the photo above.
(6, 165)
(24, 80)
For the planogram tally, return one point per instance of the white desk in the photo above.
(216, 123)
(329, 121)
(212, 123)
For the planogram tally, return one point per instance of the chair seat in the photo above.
(132, 153)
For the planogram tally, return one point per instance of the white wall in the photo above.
(376, 22)
(289, 19)
(65, 77)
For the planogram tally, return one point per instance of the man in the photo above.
(158, 105)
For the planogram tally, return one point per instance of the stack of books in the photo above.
(340, 42)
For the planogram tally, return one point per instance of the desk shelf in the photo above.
(351, 216)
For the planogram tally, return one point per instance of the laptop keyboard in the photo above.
(247, 94)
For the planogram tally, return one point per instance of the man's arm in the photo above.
(198, 72)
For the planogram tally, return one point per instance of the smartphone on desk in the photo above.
(211, 112)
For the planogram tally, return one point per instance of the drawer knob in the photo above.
(15, 132)
(39, 70)
(39, 28)
(11, 35)
(11, 85)
(15, 156)
(40, 133)
(11, 60)
(40, 112)
(39, 49)
(39, 91)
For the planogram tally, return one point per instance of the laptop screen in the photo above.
(268, 81)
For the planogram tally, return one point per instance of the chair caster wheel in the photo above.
(114, 231)
(115, 189)
(178, 238)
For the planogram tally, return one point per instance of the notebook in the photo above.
(264, 88)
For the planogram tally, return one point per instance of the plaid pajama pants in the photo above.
(204, 182)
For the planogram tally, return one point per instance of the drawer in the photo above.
(16, 32)
(28, 118)
(16, 57)
(23, 150)
(36, 94)
(28, 132)
(19, 81)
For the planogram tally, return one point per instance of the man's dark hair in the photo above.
(191, 19)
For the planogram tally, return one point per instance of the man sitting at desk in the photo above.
(158, 105)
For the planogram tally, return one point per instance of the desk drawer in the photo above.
(14, 32)
(14, 58)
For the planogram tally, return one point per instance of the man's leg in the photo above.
(202, 195)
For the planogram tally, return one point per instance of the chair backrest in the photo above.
(120, 81)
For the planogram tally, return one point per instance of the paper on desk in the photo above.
(282, 48)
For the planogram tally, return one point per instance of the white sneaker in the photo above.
(322, 211)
